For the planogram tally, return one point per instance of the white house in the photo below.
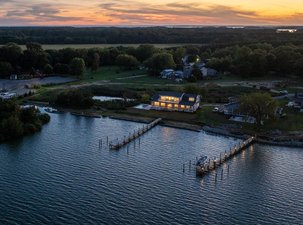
(208, 72)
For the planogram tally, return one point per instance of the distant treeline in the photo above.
(246, 60)
(152, 35)
(16, 122)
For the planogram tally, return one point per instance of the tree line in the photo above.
(246, 60)
(16, 122)
(142, 35)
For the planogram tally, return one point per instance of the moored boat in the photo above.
(52, 110)
(201, 160)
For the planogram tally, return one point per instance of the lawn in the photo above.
(293, 121)
(113, 74)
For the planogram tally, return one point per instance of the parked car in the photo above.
(216, 109)
(283, 92)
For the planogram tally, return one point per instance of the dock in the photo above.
(212, 164)
(119, 143)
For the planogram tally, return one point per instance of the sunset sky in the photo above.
(150, 12)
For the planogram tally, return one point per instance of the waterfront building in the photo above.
(175, 101)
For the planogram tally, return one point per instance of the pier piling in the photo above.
(206, 167)
(133, 136)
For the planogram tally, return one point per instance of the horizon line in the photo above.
(147, 26)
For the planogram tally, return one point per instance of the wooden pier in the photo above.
(117, 144)
(212, 164)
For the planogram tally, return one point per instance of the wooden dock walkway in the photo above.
(117, 144)
(212, 164)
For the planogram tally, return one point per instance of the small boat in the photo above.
(200, 166)
(201, 160)
(52, 110)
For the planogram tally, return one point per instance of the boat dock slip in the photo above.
(117, 144)
(212, 164)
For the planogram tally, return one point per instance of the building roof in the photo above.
(184, 97)
(299, 95)
(171, 93)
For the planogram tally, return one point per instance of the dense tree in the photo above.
(158, 62)
(96, 61)
(258, 105)
(217, 36)
(192, 50)
(127, 61)
(5, 69)
(285, 58)
(197, 73)
(16, 122)
(221, 64)
(77, 66)
(34, 56)
(48, 69)
(61, 68)
(144, 52)
(258, 63)
(178, 54)
(11, 53)
(75, 99)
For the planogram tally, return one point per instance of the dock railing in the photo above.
(119, 143)
(212, 164)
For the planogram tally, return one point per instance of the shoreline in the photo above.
(270, 140)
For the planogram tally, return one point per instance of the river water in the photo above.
(61, 176)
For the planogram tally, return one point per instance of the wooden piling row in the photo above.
(117, 144)
(212, 164)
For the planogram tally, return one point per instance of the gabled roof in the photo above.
(171, 93)
(185, 99)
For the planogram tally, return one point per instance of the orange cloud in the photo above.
(164, 12)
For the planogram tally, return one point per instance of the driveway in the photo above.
(18, 86)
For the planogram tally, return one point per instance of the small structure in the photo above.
(167, 73)
(286, 30)
(209, 72)
(175, 101)
(172, 74)
(243, 119)
(7, 95)
(299, 99)
(13, 77)
(190, 60)
(231, 109)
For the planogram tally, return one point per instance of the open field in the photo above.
(114, 75)
(61, 46)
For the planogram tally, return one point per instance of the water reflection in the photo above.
(61, 176)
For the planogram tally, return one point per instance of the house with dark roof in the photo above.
(175, 101)
(299, 99)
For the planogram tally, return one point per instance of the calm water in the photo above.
(60, 176)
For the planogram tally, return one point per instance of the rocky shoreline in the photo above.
(294, 139)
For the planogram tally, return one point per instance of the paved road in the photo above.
(18, 86)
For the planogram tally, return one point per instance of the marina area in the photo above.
(146, 184)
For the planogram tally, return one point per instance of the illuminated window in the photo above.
(182, 106)
(156, 104)
(187, 107)
(191, 99)
(163, 104)
(169, 105)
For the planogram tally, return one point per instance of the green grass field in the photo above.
(79, 46)
(113, 74)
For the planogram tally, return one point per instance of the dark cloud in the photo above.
(39, 13)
